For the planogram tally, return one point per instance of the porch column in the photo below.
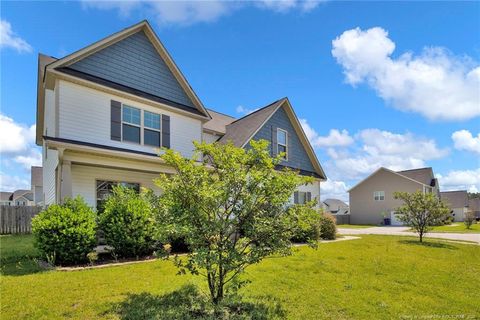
(66, 180)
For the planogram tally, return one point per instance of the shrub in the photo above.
(328, 227)
(128, 222)
(306, 224)
(469, 219)
(66, 233)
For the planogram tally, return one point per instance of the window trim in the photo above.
(144, 127)
(379, 194)
(305, 193)
(132, 125)
(114, 181)
(284, 145)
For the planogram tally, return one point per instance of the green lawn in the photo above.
(355, 226)
(376, 277)
(458, 227)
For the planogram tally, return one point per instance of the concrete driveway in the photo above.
(403, 231)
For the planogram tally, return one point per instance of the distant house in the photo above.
(6, 198)
(372, 199)
(474, 205)
(37, 185)
(458, 203)
(335, 206)
(22, 198)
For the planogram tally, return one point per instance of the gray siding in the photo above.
(134, 62)
(297, 156)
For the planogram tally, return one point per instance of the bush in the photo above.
(66, 233)
(469, 219)
(328, 227)
(128, 222)
(306, 224)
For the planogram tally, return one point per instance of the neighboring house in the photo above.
(458, 203)
(335, 206)
(474, 205)
(22, 198)
(372, 198)
(37, 185)
(6, 198)
(103, 111)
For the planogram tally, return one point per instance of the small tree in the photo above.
(469, 218)
(420, 211)
(231, 208)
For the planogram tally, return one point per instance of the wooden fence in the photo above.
(17, 219)
(342, 218)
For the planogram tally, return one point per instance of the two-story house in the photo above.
(104, 110)
(372, 199)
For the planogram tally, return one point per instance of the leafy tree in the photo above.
(231, 209)
(469, 218)
(421, 211)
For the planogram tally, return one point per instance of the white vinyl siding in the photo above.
(49, 166)
(314, 190)
(84, 180)
(85, 116)
(49, 113)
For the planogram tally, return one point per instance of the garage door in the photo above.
(394, 218)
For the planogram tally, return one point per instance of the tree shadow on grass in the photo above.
(188, 303)
(430, 244)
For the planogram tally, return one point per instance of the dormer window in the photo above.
(282, 146)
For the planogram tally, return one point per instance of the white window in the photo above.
(379, 195)
(151, 130)
(301, 197)
(282, 146)
(104, 189)
(131, 124)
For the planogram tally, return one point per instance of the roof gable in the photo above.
(422, 175)
(251, 127)
(387, 170)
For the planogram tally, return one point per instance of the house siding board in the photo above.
(134, 62)
(365, 210)
(85, 116)
(49, 164)
(84, 180)
(297, 155)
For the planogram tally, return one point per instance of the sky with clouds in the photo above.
(393, 84)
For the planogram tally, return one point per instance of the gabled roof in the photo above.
(422, 175)
(335, 204)
(49, 65)
(6, 196)
(218, 122)
(455, 199)
(242, 130)
(399, 174)
(22, 193)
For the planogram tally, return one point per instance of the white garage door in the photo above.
(394, 218)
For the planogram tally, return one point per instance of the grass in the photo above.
(355, 226)
(376, 277)
(17, 255)
(458, 227)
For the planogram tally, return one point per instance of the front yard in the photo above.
(376, 277)
(457, 227)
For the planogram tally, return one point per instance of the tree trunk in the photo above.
(421, 236)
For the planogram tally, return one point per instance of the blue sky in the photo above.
(392, 84)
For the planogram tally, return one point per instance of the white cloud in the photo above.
(244, 111)
(382, 149)
(464, 140)
(190, 12)
(460, 180)
(10, 183)
(8, 38)
(34, 158)
(14, 137)
(435, 83)
(334, 189)
(334, 137)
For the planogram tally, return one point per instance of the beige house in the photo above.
(372, 198)
(458, 203)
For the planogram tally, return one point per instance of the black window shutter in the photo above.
(309, 196)
(274, 141)
(295, 197)
(115, 120)
(165, 131)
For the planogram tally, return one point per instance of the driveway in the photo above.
(403, 231)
